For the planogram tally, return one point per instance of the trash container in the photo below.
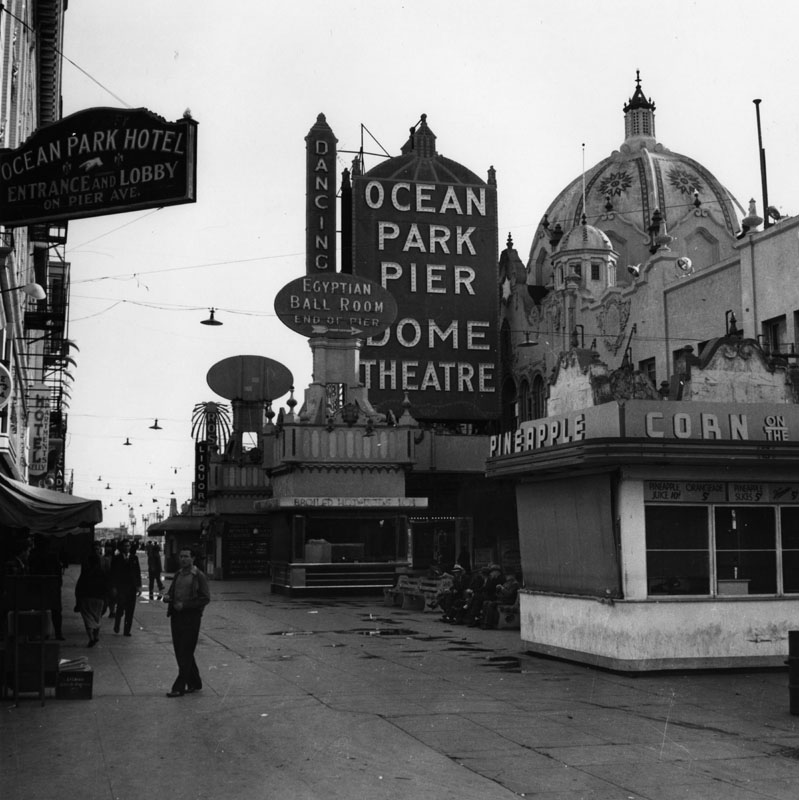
(793, 671)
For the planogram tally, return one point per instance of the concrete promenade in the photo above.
(311, 698)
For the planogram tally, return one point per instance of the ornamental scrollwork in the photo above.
(612, 321)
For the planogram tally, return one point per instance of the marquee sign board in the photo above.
(99, 161)
(337, 305)
(433, 245)
(655, 421)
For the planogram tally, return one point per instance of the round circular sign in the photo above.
(338, 305)
(254, 378)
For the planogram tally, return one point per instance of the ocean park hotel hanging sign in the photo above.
(99, 161)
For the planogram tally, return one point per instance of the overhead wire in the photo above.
(139, 273)
(67, 58)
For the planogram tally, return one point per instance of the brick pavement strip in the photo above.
(332, 697)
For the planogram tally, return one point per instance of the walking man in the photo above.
(126, 579)
(154, 567)
(188, 595)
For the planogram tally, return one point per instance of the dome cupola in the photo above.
(639, 115)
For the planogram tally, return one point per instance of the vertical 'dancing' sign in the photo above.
(320, 199)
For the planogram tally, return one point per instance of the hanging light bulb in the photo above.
(127, 442)
(155, 426)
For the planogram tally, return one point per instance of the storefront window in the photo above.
(352, 539)
(789, 519)
(745, 552)
(746, 547)
(677, 550)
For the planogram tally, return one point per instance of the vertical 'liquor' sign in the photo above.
(201, 465)
(320, 198)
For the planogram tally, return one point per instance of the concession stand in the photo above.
(658, 534)
(339, 542)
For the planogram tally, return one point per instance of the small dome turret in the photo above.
(585, 257)
(583, 237)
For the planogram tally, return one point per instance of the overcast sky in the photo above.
(520, 86)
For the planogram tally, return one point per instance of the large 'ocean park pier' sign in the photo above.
(99, 161)
(425, 228)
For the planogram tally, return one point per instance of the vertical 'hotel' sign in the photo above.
(320, 199)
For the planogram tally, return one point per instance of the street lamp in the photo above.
(211, 320)
(33, 290)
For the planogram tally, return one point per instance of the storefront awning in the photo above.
(176, 525)
(45, 511)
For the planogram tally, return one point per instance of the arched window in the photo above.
(525, 402)
(510, 414)
(539, 400)
(505, 346)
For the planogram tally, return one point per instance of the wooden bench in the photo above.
(415, 594)
(395, 595)
(423, 596)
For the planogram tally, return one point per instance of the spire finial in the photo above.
(639, 113)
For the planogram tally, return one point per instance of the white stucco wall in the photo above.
(649, 635)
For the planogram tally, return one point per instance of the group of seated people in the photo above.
(474, 599)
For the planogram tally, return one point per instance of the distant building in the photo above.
(34, 337)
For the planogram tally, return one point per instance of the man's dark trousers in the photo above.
(126, 605)
(185, 633)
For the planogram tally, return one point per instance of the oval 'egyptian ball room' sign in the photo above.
(336, 305)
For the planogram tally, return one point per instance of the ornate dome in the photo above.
(584, 237)
(625, 194)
